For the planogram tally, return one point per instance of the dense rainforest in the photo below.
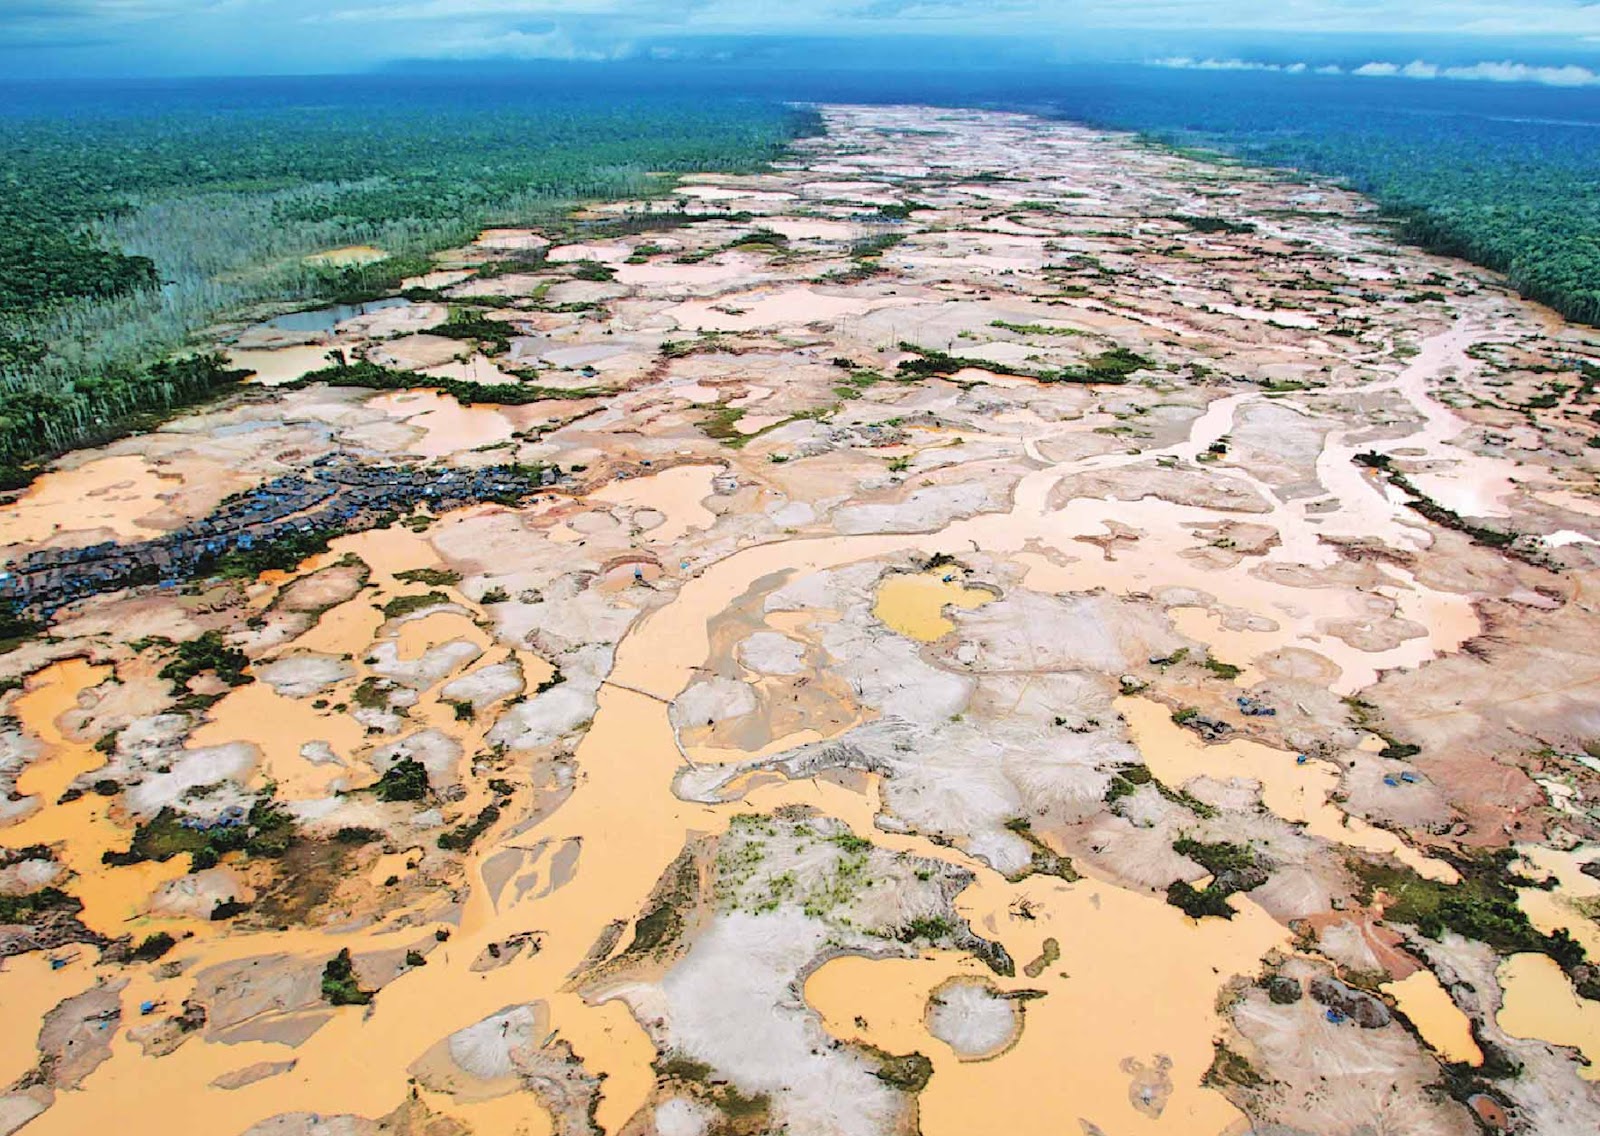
(130, 219)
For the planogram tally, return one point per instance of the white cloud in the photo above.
(1573, 18)
(1569, 76)
(1487, 72)
(270, 34)
(1185, 63)
(553, 44)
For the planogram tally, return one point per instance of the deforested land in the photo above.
(961, 622)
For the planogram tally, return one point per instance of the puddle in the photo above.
(913, 605)
(1239, 648)
(1573, 903)
(1136, 980)
(279, 726)
(325, 319)
(677, 493)
(1539, 1002)
(417, 636)
(755, 423)
(107, 493)
(271, 366)
(447, 426)
(51, 693)
(1294, 792)
(29, 989)
(1439, 1020)
(82, 830)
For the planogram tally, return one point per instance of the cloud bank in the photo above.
(296, 36)
(1486, 72)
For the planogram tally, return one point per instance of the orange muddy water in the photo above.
(107, 493)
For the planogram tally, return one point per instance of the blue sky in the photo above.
(42, 37)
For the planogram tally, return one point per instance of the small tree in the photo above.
(339, 985)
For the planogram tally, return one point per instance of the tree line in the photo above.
(127, 226)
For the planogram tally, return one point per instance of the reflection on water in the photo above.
(324, 319)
